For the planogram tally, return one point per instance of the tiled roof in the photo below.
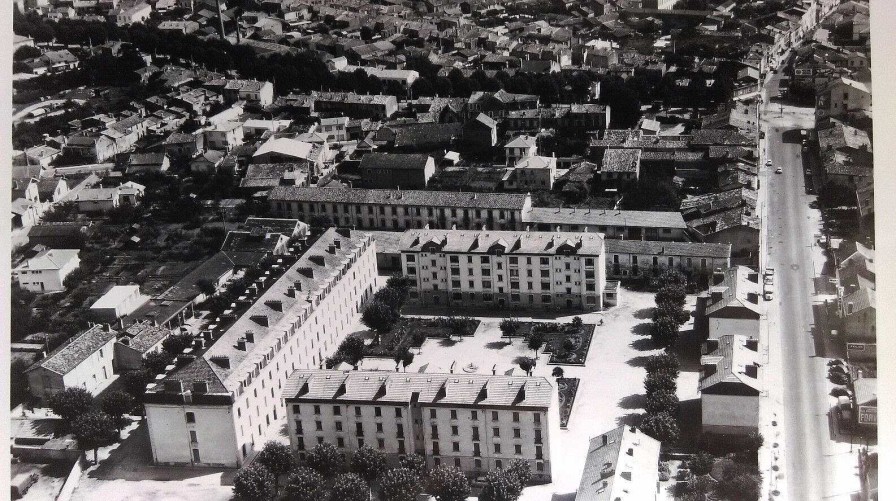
(394, 161)
(512, 242)
(398, 388)
(605, 217)
(65, 358)
(422, 198)
(728, 359)
(861, 299)
(621, 160)
(144, 335)
(687, 249)
(737, 288)
(621, 464)
(51, 259)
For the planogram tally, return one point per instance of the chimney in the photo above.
(603, 440)
(337, 244)
(753, 297)
(250, 336)
(241, 344)
(223, 361)
(850, 307)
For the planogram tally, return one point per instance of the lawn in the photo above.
(412, 332)
(566, 391)
(567, 343)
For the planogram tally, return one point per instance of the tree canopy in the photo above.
(254, 483)
(305, 484)
(448, 483)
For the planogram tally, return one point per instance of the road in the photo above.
(23, 113)
(810, 464)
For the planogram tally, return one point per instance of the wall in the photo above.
(170, 434)
(729, 414)
(90, 373)
(72, 480)
(719, 327)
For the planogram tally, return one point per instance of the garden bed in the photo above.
(573, 353)
(412, 332)
(566, 391)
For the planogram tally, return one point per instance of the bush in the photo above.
(662, 401)
(738, 482)
(448, 483)
(70, 403)
(701, 463)
(400, 484)
(659, 382)
(305, 484)
(662, 427)
(253, 483)
(664, 362)
(349, 487)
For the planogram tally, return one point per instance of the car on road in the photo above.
(769, 292)
(769, 279)
(769, 272)
(778, 170)
(768, 162)
(808, 171)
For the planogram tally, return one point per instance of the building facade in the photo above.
(219, 405)
(730, 385)
(84, 362)
(46, 271)
(633, 258)
(505, 269)
(475, 422)
(401, 209)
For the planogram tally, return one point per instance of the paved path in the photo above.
(21, 114)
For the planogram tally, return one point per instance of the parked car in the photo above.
(769, 271)
(769, 292)
(778, 170)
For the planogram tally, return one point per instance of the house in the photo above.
(284, 150)
(147, 162)
(396, 170)
(544, 270)
(497, 104)
(532, 173)
(292, 228)
(418, 409)
(620, 166)
(519, 148)
(843, 96)
(730, 385)
(864, 400)
(182, 145)
(207, 161)
(93, 200)
(182, 27)
(622, 463)
(52, 189)
(224, 136)
(858, 316)
(46, 271)
(256, 127)
(24, 213)
(84, 362)
(731, 305)
(247, 249)
(58, 235)
(334, 129)
(134, 13)
(37, 155)
(376, 107)
(117, 302)
(199, 414)
(91, 148)
(857, 269)
(137, 341)
(252, 91)
(480, 133)
(697, 260)
(265, 176)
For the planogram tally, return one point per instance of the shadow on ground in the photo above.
(630, 419)
(639, 361)
(635, 401)
(643, 344)
(690, 424)
(642, 329)
(497, 345)
(643, 313)
(571, 496)
(687, 350)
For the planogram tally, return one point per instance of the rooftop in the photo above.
(730, 366)
(394, 161)
(605, 217)
(423, 198)
(686, 249)
(621, 464)
(437, 389)
(50, 259)
(510, 242)
(69, 356)
(737, 287)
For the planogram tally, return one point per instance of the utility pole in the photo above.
(220, 20)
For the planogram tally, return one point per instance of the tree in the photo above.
(527, 364)
(664, 362)
(135, 383)
(557, 372)
(661, 426)
(664, 331)
(326, 459)
(177, 343)
(254, 483)
(510, 326)
(669, 310)
(659, 381)
(448, 483)
(670, 276)
(671, 293)
(576, 322)
(349, 487)
(414, 462)
(400, 484)
(278, 460)
(500, 486)
(661, 401)
(701, 463)
(406, 358)
(738, 482)
(368, 462)
(156, 361)
(305, 484)
(536, 341)
(379, 316)
(93, 430)
(351, 350)
(116, 404)
(70, 403)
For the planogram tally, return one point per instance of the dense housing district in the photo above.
(532, 250)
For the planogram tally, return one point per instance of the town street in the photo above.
(816, 464)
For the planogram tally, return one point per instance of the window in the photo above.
(193, 438)
(338, 425)
(457, 462)
(474, 415)
(494, 415)
(191, 418)
(337, 411)
(411, 258)
(435, 431)
(496, 432)
(538, 454)
(544, 261)
(301, 444)
(453, 259)
(516, 417)
(499, 464)
(513, 260)
(475, 433)
(537, 436)
(398, 412)
(455, 446)
(378, 412)
(476, 451)
(360, 443)
(317, 410)
(401, 447)
(379, 427)
(435, 448)
(357, 411)
(497, 448)
(381, 443)
(432, 414)
(359, 429)
(399, 431)
(539, 466)
(517, 449)
(318, 426)
(516, 433)
(298, 427)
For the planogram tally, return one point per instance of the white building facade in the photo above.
(512, 269)
(475, 422)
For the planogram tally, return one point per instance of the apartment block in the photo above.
(219, 404)
(401, 209)
(475, 422)
(516, 269)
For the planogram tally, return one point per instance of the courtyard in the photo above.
(610, 391)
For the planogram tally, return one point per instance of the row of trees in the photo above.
(323, 476)
(92, 428)
(669, 314)
(661, 385)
